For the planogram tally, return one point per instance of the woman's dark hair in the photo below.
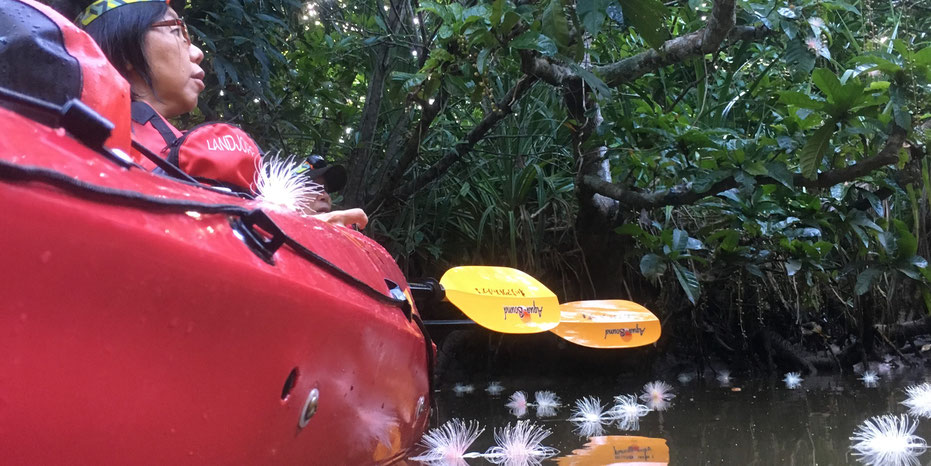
(120, 33)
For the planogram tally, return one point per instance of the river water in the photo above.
(747, 422)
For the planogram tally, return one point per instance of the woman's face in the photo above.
(174, 68)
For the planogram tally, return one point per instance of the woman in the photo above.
(149, 45)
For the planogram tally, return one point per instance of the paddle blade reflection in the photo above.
(619, 449)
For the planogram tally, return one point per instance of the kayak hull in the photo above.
(134, 334)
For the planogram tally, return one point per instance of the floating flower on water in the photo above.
(462, 389)
(545, 398)
(657, 395)
(518, 403)
(281, 188)
(494, 388)
(888, 440)
(919, 400)
(793, 380)
(589, 428)
(724, 378)
(870, 379)
(545, 411)
(449, 442)
(520, 445)
(547, 402)
(628, 412)
(684, 378)
(590, 409)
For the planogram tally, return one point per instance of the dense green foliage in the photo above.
(771, 165)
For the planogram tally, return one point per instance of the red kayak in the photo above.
(146, 320)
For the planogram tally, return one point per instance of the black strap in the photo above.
(430, 355)
(168, 168)
(143, 113)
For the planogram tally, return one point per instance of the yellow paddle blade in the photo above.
(619, 449)
(502, 299)
(607, 324)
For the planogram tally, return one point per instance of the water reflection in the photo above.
(619, 449)
(764, 423)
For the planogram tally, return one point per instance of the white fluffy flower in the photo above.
(461, 389)
(449, 442)
(520, 445)
(889, 441)
(518, 403)
(494, 388)
(546, 402)
(724, 378)
(658, 395)
(870, 379)
(589, 428)
(590, 409)
(919, 400)
(793, 380)
(628, 412)
(281, 188)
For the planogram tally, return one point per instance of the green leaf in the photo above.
(813, 152)
(797, 54)
(680, 240)
(860, 219)
(792, 267)
(555, 25)
(841, 5)
(445, 31)
(648, 18)
(497, 12)
(865, 280)
(652, 265)
(593, 81)
(592, 13)
(508, 21)
(532, 40)
(828, 83)
(630, 229)
(482, 60)
(800, 100)
(688, 281)
(779, 172)
(729, 239)
(922, 57)
(906, 243)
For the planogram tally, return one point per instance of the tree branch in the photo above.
(706, 40)
(685, 194)
(488, 123)
(361, 155)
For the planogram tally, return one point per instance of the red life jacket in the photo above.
(216, 153)
(47, 57)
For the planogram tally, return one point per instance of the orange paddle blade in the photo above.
(619, 449)
(502, 299)
(607, 324)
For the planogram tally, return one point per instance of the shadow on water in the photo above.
(750, 422)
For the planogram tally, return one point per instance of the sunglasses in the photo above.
(175, 23)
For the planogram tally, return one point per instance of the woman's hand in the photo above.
(346, 218)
